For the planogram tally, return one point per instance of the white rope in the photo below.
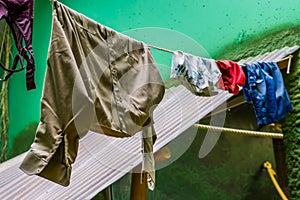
(240, 132)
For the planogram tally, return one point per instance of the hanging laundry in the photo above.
(232, 76)
(19, 16)
(97, 79)
(265, 89)
(199, 75)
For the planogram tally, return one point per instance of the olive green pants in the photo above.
(96, 79)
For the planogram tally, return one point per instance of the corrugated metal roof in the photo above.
(103, 160)
(273, 56)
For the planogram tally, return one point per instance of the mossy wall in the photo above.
(292, 131)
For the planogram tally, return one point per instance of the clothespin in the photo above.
(289, 64)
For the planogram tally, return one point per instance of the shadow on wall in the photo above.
(22, 141)
(232, 170)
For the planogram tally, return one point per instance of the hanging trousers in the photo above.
(96, 79)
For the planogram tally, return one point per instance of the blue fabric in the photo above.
(265, 89)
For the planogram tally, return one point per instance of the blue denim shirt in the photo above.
(265, 89)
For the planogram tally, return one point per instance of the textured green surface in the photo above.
(270, 42)
(292, 132)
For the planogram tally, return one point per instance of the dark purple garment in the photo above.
(19, 16)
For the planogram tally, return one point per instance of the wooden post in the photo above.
(139, 185)
(280, 157)
(281, 168)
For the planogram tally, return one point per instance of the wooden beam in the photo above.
(280, 158)
(281, 168)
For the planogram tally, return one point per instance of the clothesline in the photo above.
(242, 65)
(161, 49)
(258, 78)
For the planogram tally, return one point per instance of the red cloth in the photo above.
(232, 76)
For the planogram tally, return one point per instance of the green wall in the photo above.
(206, 27)
(212, 24)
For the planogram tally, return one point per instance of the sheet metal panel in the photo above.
(102, 160)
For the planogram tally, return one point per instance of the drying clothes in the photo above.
(199, 75)
(232, 76)
(265, 89)
(96, 79)
(19, 16)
